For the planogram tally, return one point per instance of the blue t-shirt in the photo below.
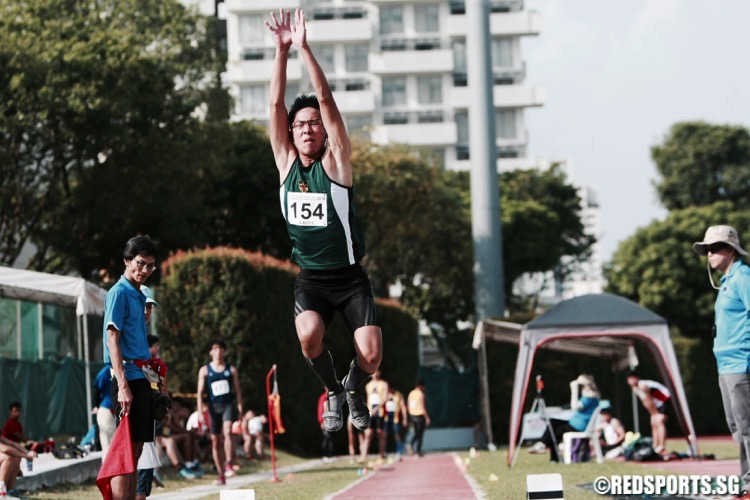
(581, 418)
(732, 316)
(103, 382)
(124, 308)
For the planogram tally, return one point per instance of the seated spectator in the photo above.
(252, 433)
(13, 430)
(610, 432)
(11, 453)
(583, 409)
(178, 444)
(198, 428)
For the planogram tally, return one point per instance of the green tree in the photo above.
(700, 164)
(102, 128)
(657, 267)
(417, 230)
(541, 224)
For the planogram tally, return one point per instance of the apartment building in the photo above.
(397, 68)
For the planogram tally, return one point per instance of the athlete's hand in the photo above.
(299, 30)
(281, 29)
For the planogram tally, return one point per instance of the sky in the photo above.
(617, 76)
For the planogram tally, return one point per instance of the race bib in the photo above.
(307, 209)
(391, 406)
(220, 387)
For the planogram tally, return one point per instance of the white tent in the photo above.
(47, 288)
(600, 318)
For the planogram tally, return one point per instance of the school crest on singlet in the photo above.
(320, 219)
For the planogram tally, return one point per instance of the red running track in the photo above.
(433, 476)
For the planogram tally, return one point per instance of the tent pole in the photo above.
(486, 417)
(40, 334)
(87, 369)
(19, 330)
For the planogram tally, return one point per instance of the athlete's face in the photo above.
(308, 133)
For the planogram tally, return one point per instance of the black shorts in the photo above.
(377, 422)
(141, 414)
(219, 413)
(347, 290)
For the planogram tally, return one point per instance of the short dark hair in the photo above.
(140, 245)
(218, 342)
(152, 339)
(301, 102)
(14, 404)
(632, 373)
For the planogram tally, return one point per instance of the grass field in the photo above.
(488, 469)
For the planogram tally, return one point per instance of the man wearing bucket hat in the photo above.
(721, 245)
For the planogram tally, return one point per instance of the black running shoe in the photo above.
(333, 416)
(358, 410)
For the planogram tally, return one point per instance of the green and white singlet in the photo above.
(320, 218)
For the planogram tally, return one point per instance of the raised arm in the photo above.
(339, 147)
(283, 149)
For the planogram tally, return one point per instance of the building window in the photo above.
(356, 56)
(462, 128)
(291, 93)
(394, 91)
(324, 55)
(429, 90)
(253, 100)
(391, 20)
(252, 29)
(505, 123)
(502, 53)
(426, 18)
(358, 125)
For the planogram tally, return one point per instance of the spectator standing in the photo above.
(721, 244)
(653, 395)
(395, 416)
(222, 382)
(125, 345)
(105, 418)
(313, 155)
(418, 416)
(377, 392)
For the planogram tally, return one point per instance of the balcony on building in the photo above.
(425, 127)
(338, 24)
(504, 96)
(510, 24)
(459, 6)
(256, 65)
(353, 95)
(261, 5)
(401, 54)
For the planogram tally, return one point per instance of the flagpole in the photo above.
(271, 422)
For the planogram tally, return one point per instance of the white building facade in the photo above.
(397, 68)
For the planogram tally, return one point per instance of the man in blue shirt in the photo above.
(731, 332)
(126, 347)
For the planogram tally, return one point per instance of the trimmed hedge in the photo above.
(246, 298)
